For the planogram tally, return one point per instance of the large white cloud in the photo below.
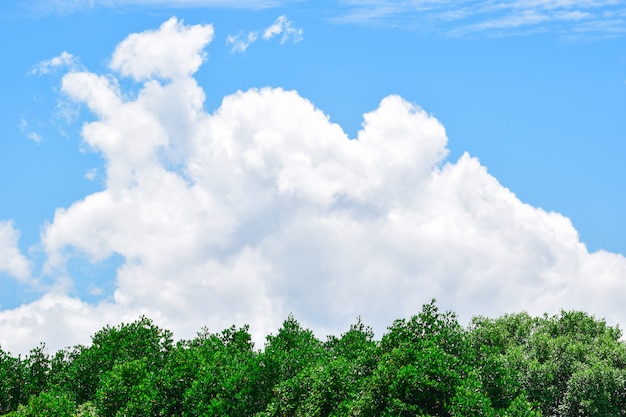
(265, 208)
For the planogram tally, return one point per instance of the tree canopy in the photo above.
(566, 365)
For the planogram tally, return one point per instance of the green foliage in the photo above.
(12, 381)
(595, 391)
(522, 407)
(37, 371)
(568, 365)
(129, 389)
(565, 365)
(423, 362)
(47, 404)
(471, 399)
(140, 340)
(228, 371)
(290, 351)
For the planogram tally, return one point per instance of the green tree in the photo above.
(12, 381)
(128, 390)
(597, 390)
(470, 399)
(522, 407)
(227, 380)
(285, 366)
(52, 403)
(424, 360)
(37, 371)
(495, 345)
(543, 360)
(140, 340)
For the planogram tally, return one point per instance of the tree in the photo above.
(115, 345)
(129, 389)
(227, 379)
(47, 403)
(423, 363)
(12, 380)
(37, 371)
(597, 390)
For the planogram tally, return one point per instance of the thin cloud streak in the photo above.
(281, 26)
(63, 61)
(72, 6)
(512, 18)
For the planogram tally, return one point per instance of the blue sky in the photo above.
(533, 91)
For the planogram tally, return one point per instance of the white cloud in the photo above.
(455, 18)
(65, 61)
(11, 259)
(239, 44)
(272, 209)
(34, 136)
(282, 26)
(71, 6)
(91, 174)
(174, 50)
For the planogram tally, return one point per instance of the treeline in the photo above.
(571, 364)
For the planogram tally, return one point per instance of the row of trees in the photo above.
(429, 365)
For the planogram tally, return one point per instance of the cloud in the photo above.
(239, 45)
(460, 18)
(282, 25)
(65, 61)
(91, 174)
(11, 259)
(174, 50)
(34, 136)
(270, 208)
(72, 6)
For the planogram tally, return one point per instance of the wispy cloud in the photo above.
(24, 128)
(65, 61)
(282, 27)
(512, 17)
(71, 6)
(240, 43)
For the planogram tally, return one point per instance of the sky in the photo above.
(210, 163)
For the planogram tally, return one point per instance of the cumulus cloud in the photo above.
(282, 26)
(12, 261)
(270, 208)
(174, 50)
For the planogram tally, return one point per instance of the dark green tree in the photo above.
(37, 367)
(12, 382)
